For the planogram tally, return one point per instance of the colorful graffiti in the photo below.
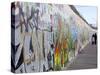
(44, 36)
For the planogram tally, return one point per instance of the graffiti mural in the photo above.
(45, 37)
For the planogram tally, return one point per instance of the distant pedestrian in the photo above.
(94, 39)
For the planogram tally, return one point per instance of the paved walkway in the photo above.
(86, 59)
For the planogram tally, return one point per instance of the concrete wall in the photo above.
(50, 34)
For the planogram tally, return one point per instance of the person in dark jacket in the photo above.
(94, 38)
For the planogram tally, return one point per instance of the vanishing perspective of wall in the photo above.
(45, 36)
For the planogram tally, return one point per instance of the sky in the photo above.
(89, 13)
